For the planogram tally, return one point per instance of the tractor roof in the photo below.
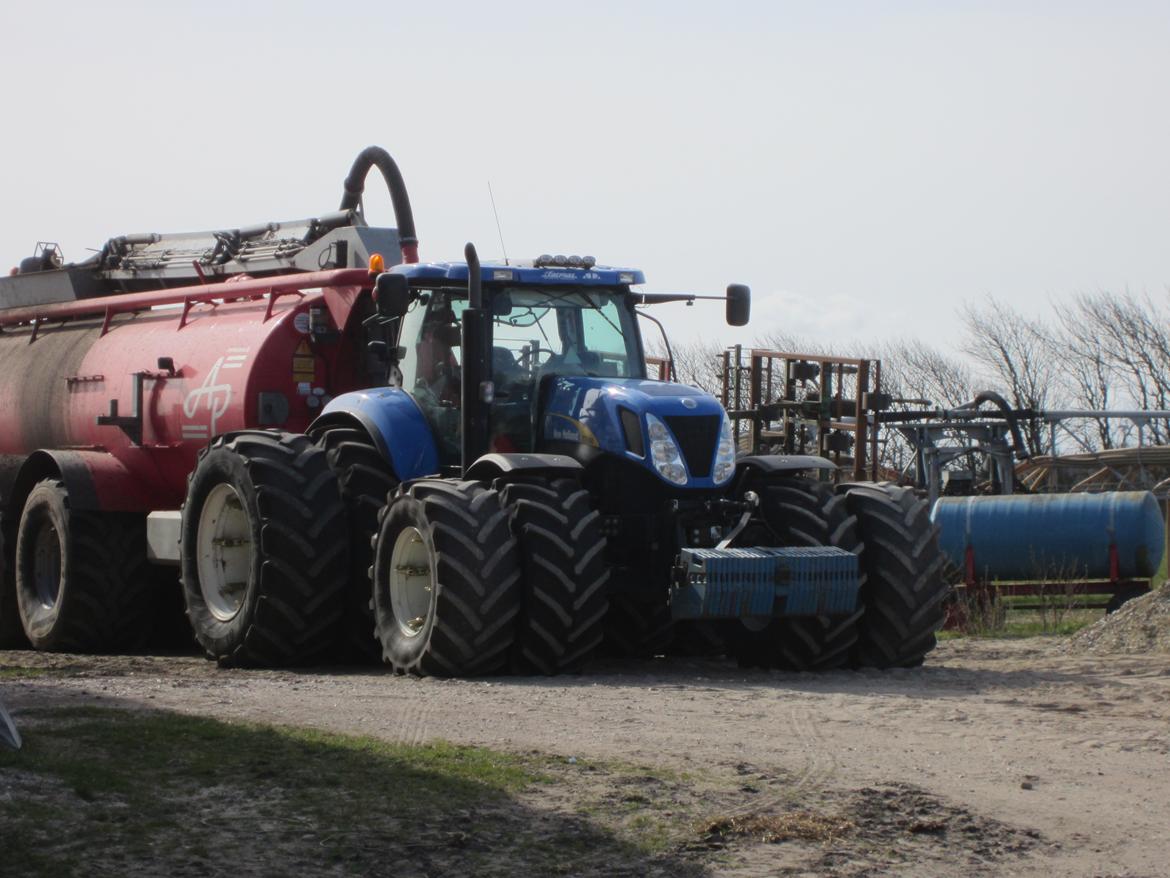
(524, 272)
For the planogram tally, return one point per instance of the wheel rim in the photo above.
(47, 565)
(224, 546)
(412, 581)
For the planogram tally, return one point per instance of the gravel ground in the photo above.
(1058, 762)
(1141, 626)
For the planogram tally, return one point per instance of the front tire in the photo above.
(81, 577)
(446, 580)
(264, 550)
(562, 551)
(637, 628)
(904, 592)
(799, 512)
(365, 480)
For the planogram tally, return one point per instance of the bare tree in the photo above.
(1088, 377)
(779, 340)
(697, 363)
(1013, 352)
(915, 370)
(1130, 336)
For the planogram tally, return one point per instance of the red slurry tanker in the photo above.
(116, 374)
(457, 468)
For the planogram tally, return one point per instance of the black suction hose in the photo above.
(355, 184)
(1009, 415)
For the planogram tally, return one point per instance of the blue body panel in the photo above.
(456, 272)
(396, 424)
(1020, 537)
(585, 410)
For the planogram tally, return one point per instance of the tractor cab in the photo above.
(553, 316)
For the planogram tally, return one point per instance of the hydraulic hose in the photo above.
(1009, 414)
(355, 184)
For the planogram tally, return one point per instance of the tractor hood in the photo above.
(616, 416)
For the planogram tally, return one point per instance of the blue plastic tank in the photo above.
(1034, 536)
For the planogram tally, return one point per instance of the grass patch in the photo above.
(1032, 623)
(97, 791)
(986, 614)
(23, 673)
(776, 828)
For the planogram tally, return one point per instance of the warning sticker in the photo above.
(304, 364)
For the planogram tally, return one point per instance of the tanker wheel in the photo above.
(904, 591)
(11, 631)
(446, 580)
(637, 628)
(798, 512)
(81, 578)
(366, 480)
(562, 554)
(264, 550)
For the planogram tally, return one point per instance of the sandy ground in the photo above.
(1072, 750)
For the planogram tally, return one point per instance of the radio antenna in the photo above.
(499, 230)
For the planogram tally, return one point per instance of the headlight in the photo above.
(725, 456)
(664, 452)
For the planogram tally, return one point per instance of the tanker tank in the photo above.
(1026, 537)
(179, 367)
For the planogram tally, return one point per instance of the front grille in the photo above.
(697, 437)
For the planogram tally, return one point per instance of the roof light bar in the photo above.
(546, 260)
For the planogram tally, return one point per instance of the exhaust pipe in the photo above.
(355, 185)
(477, 390)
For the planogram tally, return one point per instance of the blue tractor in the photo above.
(517, 490)
(522, 496)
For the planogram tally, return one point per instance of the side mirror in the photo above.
(391, 294)
(739, 304)
(501, 305)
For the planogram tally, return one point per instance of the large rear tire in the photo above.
(366, 480)
(81, 577)
(446, 580)
(904, 591)
(264, 550)
(799, 512)
(562, 551)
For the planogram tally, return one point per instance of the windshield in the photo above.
(564, 332)
(536, 332)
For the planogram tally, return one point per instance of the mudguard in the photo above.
(396, 425)
(782, 463)
(94, 479)
(492, 465)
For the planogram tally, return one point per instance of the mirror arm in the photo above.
(665, 341)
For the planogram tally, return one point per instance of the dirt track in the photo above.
(1072, 750)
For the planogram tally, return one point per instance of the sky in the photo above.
(865, 167)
